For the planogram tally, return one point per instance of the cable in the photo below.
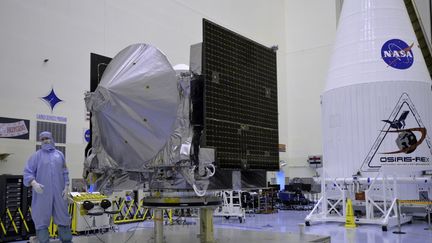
(134, 229)
(213, 171)
(133, 233)
(199, 193)
(89, 151)
(209, 172)
(90, 228)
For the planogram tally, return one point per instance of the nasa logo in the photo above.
(397, 54)
(87, 135)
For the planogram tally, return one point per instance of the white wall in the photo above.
(423, 7)
(310, 30)
(66, 31)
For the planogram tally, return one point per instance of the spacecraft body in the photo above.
(376, 106)
(141, 133)
(167, 130)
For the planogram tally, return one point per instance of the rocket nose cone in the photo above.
(375, 42)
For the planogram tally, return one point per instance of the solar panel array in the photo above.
(240, 100)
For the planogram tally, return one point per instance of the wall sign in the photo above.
(51, 118)
(14, 128)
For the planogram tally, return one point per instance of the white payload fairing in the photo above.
(377, 103)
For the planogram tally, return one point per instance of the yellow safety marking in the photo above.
(13, 223)
(419, 202)
(128, 221)
(130, 206)
(23, 219)
(170, 216)
(171, 200)
(120, 209)
(3, 228)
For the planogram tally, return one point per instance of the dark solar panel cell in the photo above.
(240, 100)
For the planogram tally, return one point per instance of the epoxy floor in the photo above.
(188, 234)
(288, 221)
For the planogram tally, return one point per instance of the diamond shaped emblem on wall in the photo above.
(52, 99)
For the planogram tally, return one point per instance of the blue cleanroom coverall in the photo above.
(47, 167)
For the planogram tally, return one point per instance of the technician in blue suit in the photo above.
(47, 173)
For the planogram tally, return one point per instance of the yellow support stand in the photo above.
(52, 229)
(145, 213)
(120, 208)
(350, 219)
(130, 212)
(74, 215)
(129, 208)
(137, 211)
(170, 216)
(206, 225)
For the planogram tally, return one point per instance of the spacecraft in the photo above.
(182, 132)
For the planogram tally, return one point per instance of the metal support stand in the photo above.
(429, 211)
(379, 203)
(206, 225)
(398, 219)
(158, 226)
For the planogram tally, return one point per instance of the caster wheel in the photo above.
(307, 223)
(384, 228)
(227, 217)
(240, 219)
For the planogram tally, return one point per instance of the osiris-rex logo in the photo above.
(406, 141)
(404, 159)
(403, 140)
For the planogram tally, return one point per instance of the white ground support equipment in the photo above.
(379, 204)
(231, 206)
